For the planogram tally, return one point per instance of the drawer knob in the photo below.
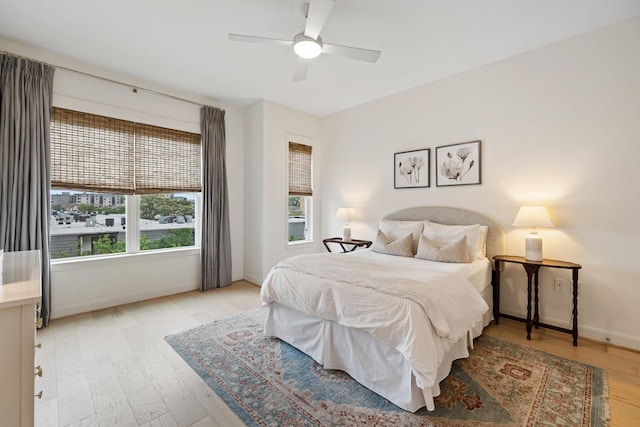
(39, 395)
(38, 371)
(39, 345)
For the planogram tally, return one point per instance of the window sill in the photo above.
(299, 244)
(62, 264)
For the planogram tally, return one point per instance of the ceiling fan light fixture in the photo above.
(306, 47)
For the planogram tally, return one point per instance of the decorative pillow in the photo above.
(455, 251)
(399, 247)
(482, 242)
(442, 234)
(397, 229)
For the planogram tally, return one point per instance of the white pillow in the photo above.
(397, 229)
(456, 251)
(442, 234)
(399, 247)
(482, 241)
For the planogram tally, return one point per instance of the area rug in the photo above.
(268, 382)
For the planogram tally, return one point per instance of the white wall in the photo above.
(269, 129)
(82, 285)
(559, 125)
(254, 192)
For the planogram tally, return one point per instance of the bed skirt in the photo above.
(366, 359)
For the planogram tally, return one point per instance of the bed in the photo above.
(394, 323)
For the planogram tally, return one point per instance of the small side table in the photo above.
(354, 243)
(532, 267)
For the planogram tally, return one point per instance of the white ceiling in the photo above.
(184, 44)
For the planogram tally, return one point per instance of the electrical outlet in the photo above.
(559, 285)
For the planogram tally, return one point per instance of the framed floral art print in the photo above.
(411, 169)
(458, 164)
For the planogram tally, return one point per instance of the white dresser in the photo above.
(20, 294)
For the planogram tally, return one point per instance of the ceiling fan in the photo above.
(308, 44)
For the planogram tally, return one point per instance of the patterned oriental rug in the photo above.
(268, 382)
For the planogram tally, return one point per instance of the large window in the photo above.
(86, 224)
(300, 204)
(120, 186)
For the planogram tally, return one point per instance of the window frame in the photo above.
(308, 205)
(133, 232)
(308, 220)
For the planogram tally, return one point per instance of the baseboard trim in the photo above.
(99, 304)
(253, 279)
(590, 332)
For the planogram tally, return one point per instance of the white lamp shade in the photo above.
(532, 216)
(342, 215)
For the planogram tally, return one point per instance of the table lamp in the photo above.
(343, 216)
(533, 216)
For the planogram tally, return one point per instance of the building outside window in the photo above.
(86, 224)
(167, 221)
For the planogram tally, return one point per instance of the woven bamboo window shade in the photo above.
(167, 160)
(300, 170)
(90, 152)
(97, 153)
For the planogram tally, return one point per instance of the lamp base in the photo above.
(346, 233)
(533, 249)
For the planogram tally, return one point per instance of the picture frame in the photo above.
(411, 169)
(458, 164)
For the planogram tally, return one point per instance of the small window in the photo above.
(300, 203)
(299, 219)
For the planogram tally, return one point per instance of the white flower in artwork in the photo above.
(407, 171)
(463, 153)
(410, 169)
(454, 166)
(416, 164)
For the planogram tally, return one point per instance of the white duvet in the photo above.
(420, 308)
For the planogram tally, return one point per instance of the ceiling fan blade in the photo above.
(358, 53)
(300, 73)
(317, 16)
(256, 39)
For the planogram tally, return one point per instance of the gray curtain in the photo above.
(25, 112)
(216, 235)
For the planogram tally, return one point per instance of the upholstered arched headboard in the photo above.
(455, 216)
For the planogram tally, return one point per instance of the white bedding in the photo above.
(421, 315)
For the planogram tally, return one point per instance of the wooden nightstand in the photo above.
(354, 243)
(532, 267)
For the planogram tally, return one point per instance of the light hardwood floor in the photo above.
(113, 368)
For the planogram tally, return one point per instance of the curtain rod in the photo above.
(134, 88)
